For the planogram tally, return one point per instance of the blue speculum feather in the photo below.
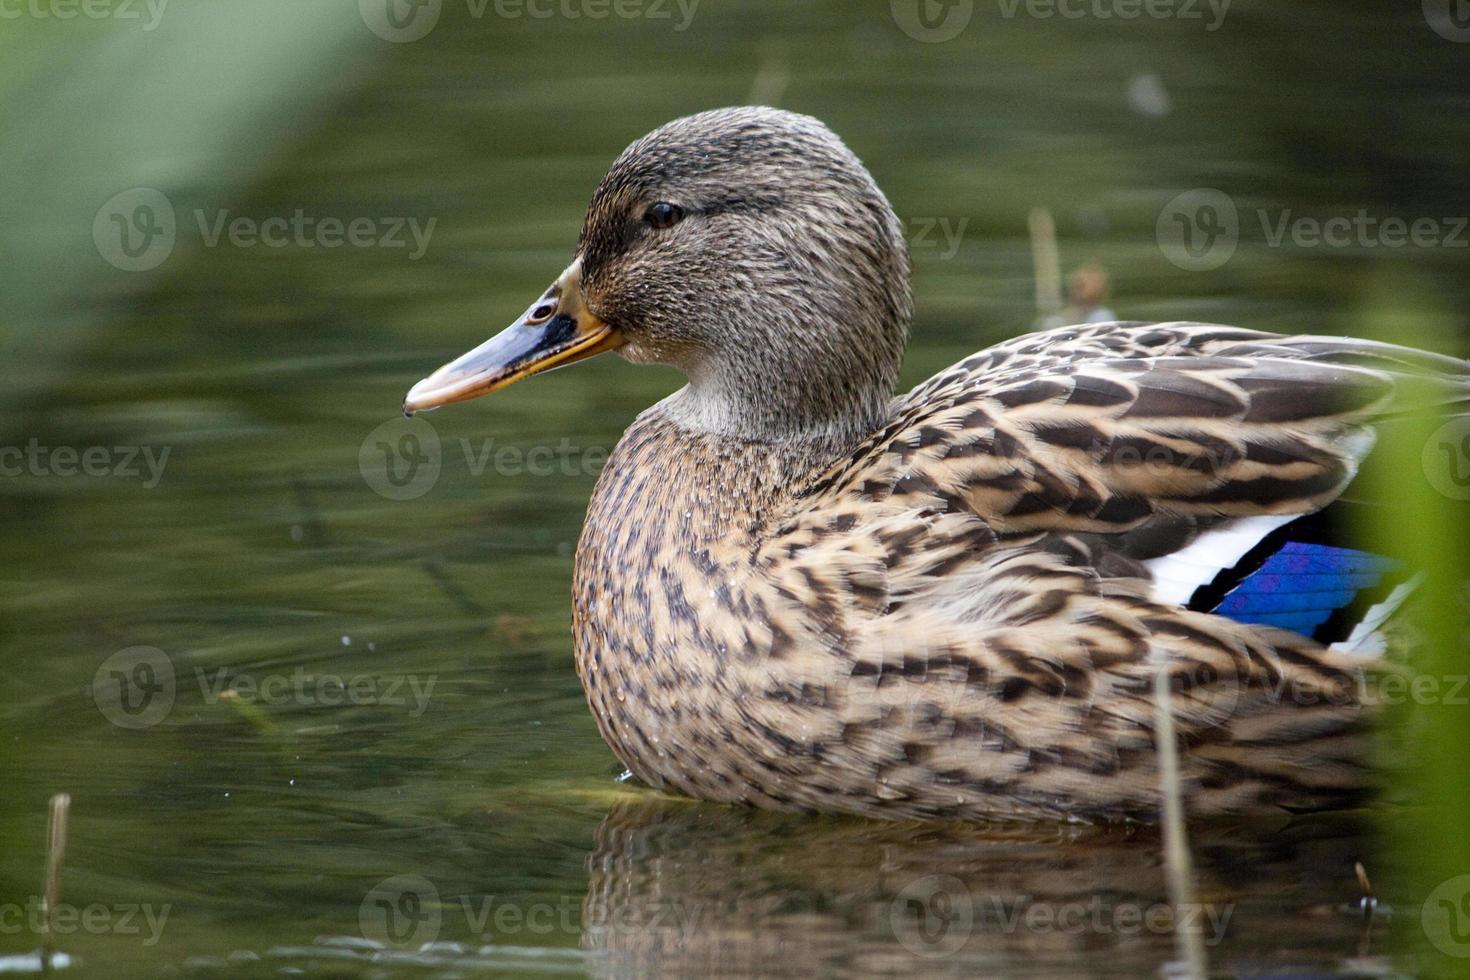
(1301, 586)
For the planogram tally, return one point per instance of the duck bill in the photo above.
(557, 330)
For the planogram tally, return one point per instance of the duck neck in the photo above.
(811, 411)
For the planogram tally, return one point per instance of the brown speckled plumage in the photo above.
(794, 590)
(932, 626)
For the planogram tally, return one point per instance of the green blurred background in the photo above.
(287, 534)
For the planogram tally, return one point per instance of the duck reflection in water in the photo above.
(686, 888)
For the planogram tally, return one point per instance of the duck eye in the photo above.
(663, 215)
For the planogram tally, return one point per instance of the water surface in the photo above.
(374, 739)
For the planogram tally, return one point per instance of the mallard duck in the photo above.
(795, 590)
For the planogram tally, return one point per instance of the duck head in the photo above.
(748, 248)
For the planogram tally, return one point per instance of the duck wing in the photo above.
(1192, 456)
(999, 563)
